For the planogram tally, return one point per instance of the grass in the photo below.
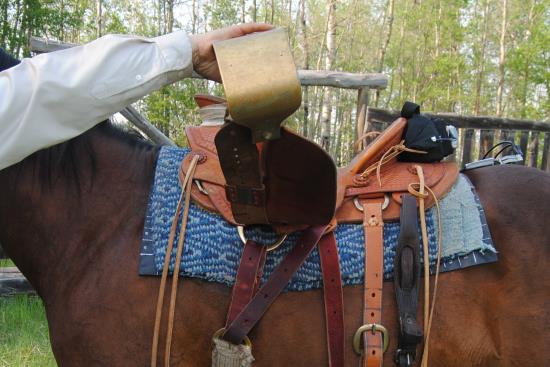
(6, 263)
(24, 338)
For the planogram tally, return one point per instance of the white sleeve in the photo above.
(54, 97)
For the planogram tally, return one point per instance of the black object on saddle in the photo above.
(406, 275)
(433, 135)
(6, 60)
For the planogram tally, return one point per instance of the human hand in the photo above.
(204, 58)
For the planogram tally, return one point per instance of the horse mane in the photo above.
(68, 159)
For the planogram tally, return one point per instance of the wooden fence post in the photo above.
(362, 122)
(534, 149)
(467, 146)
(486, 140)
(523, 143)
(545, 151)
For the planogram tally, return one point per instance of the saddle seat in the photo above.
(209, 191)
(395, 178)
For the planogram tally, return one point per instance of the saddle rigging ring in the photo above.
(270, 247)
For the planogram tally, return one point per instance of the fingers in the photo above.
(247, 28)
(241, 30)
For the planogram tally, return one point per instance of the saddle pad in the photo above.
(212, 246)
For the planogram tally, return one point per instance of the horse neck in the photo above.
(55, 231)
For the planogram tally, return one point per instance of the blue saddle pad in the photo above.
(212, 247)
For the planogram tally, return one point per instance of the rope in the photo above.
(390, 154)
(428, 316)
(185, 193)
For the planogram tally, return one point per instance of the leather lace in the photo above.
(185, 194)
(390, 154)
(421, 194)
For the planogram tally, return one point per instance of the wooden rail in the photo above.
(479, 133)
(13, 282)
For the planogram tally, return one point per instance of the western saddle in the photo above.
(265, 174)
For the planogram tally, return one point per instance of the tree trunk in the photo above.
(170, 16)
(194, 16)
(481, 62)
(501, 59)
(326, 110)
(304, 47)
(526, 69)
(384, 44)
(254, 11)
(243, 11)
(99, 14)
(5, 25)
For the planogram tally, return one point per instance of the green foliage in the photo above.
(442, 54)
(24, 338)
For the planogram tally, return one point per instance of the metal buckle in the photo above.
(270, 247)
(219, 333)
(400, 352)
(373, 328)
(360, 207)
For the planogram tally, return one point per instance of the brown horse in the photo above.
(71, 218)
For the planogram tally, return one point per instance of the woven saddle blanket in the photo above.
(212, 247)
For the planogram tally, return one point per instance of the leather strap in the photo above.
(406, 283)
(334, 300)
(240, 163)
(374, 272)
(248, 278)
(252, 313)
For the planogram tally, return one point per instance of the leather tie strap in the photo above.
(248, 278)
(374, 270)
(334, 300)
(406, 283)
(252, 313)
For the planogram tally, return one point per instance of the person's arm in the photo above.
(54, 97)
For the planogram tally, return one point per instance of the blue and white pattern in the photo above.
(212, 247)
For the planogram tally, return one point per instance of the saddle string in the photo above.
(421, 195)
(390, 154)
(160, 298)
(370, 134)
(185, 193)
(186, 186)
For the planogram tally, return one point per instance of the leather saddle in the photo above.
(300, 182)
(294, 180)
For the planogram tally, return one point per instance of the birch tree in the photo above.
(326, 111)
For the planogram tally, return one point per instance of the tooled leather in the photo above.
(441, 177)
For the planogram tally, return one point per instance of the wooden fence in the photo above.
(479, 133)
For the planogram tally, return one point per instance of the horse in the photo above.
(72, 216)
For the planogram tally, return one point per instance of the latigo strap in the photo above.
(406, 277)
(245, 321)
(373, 346)
(248, 306)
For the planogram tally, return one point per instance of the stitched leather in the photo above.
(248, 278)
(250, 315)
(374, 268)
(334, 299)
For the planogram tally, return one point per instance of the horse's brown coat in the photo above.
(81, 254)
